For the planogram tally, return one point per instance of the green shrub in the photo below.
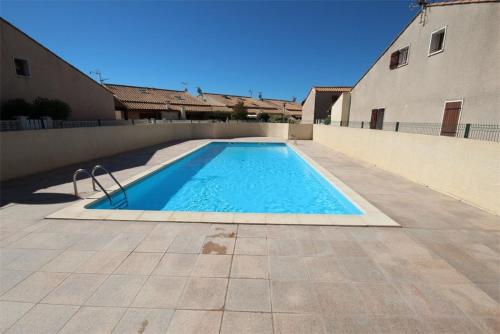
(263, 117)
(240, 112)
(15, 107)
(54, 108)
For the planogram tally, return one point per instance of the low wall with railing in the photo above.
(33, 151)
(464, 168)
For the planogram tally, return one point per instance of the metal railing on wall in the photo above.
(40, 124)
(488, 132)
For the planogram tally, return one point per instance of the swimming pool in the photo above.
(237, 177)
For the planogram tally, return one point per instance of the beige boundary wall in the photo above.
(464, 168)
(29, 152)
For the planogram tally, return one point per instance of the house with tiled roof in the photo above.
(144, 102)
(255, 106)
(134, 102)
(442, 68)
(319, 101)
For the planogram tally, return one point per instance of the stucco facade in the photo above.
(340, 109)
(467, 69)
(319, 101)
(49, 77)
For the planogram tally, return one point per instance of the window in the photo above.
(377, 120)
(22, 67)
(451, 117)
(437, 41)
(399, 58)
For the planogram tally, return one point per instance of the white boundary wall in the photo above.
(33, 151)
(464, 168)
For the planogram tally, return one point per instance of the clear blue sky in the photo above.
(279, 48)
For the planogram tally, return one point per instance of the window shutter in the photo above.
(394, 60)
(450, 118)
(373, 120)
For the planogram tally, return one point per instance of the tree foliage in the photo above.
(15, 107)
(263, 117)
(40, 107)
(240, 112)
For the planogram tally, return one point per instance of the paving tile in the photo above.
(10, 312)
(35, 287)
(362, 270)
(124, 242)
(67, 261)
(94, 241)
(32, 259)
(212, 266)
(347, 249)
(47, 240)
(489, 324)
(279, 231)
(450, 325)
(139, 264)
(93, 320)
(75, 289)
(176, 265)
(326, 269)
(160, 292)
(194, 322)
(289, 323)
(352, 324)
(283, 247)
(251, 246)
(187, 245)
(287, 268)
(246, 323)
(103, 262)
(44, 319)
(340, 299)
(250, 266)
(144, 321)
(155, 243)
(218, 246)
(428, 300)
(223, 231)
(252, 231)
(117, 290)
(248, 295)
(293, 297)
(383, 300)
(204, 294)
(472, 300)
(9, 278)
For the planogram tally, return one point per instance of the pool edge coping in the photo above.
(371, 216)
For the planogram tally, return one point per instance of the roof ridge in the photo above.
(144, 87)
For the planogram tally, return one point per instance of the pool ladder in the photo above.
(120, 203)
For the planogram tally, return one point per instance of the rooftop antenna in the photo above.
(422, 6)
(251, 92)
(98, 74)
(185, 84)
(260, 96)
(294, 98)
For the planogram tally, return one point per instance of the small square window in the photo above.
(22, 67)
(399, 58)
(403, 56)
(437, 41)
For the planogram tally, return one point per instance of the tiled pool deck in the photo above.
(440, 273)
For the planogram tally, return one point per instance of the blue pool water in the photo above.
(237, 177)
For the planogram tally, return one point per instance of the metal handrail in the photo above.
(96, 167)
(94, 181)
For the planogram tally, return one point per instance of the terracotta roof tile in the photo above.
(144, 98)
